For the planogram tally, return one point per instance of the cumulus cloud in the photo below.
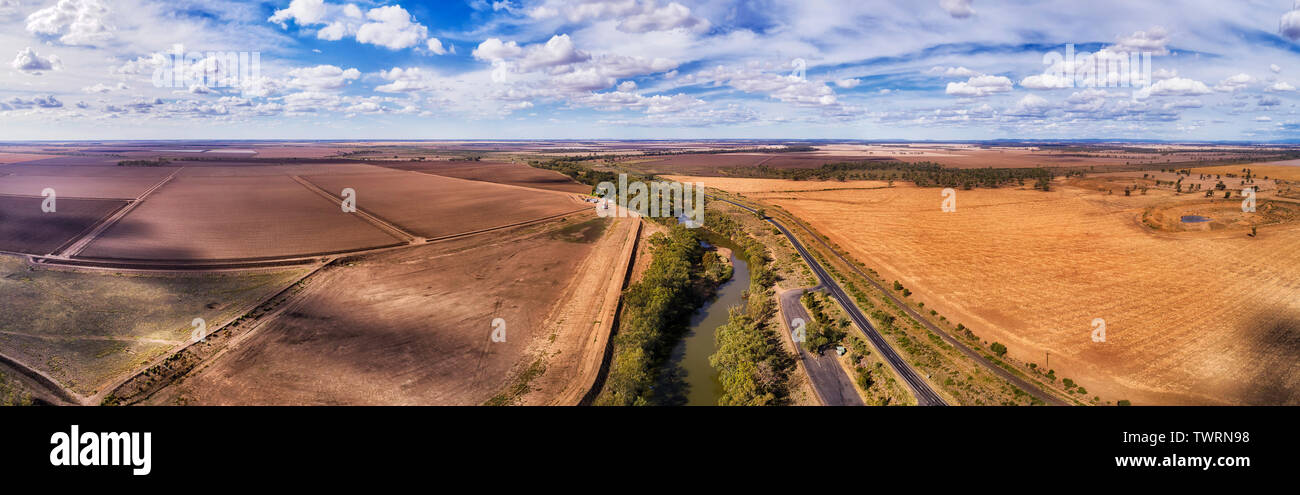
(437, 48)
(953, 71)
(1030, 106)
(1175, 86)
(321, 77)
(1235, 83)
(404, 80)
(29, 62)
(304, 12)
(390, 26)
(493, 49)
(654, 18)
(785, 88)
(104, 88)
(633, 16)
(1046, 81)
(1153, 40)
(9, 7)
(1289, 26)
(848, 83)
(621, 66)
(75, 22)
(959, 9)
(979, 86)
(1281, 86)
(557, 51)
(17, 103)
(588, 79)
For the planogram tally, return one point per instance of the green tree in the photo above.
(998, 349)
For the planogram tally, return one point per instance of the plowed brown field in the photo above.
(221, 218)
(412, 326)
(434, 206)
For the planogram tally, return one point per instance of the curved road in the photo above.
(832, 385)
(925, 396)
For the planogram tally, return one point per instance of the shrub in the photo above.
(998, 349)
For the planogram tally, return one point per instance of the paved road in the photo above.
(988, 365)
(925, 396)
(829, 380)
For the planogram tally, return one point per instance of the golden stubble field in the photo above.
(1191, 317)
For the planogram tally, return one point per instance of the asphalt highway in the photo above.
(925, 395)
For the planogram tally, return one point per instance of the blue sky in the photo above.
(913, 69)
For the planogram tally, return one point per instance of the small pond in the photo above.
(1195, 219)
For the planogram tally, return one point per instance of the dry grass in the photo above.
(1289, 170)
(1207, 318)
(87, 329)
(746, 186)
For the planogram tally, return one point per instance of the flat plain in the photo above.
(1192, 317)
(234, 218)
(413, 326)
(434, 206)
(26, 228)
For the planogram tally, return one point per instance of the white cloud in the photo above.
(979, 86)
(848, 83)
(1281, 86)
(1030, 106)
(959, 9)
(1235, 83)
(17, 103)
(1274, 68)
(391, 27)
(436, 47)
(1046, 81)
(1153, 40)
(76, 22)
(557, 51)
(786, 88)
(1176, 86)
(1289, 26)
(29, 62)
(493, 49)
(9, 7)
(671, 16)
(633, 16)
(588, 79)
(953, 71)
(621, 66)
(404, 80)
(321, 77)
(104, 88)
(303, 12)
